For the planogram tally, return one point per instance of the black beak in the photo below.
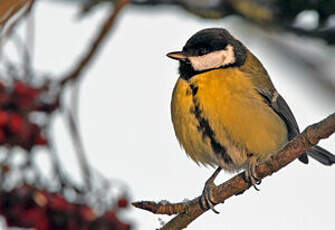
(179, 55)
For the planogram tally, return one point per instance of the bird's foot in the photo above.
(251, 174)
(206, 200)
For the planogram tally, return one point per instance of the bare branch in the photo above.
(96, 44)
(11, 8)
(189, 211)
(83, 163)
(74, 75)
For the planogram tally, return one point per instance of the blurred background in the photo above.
(85, 127)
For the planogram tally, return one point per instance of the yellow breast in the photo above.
(239, 118)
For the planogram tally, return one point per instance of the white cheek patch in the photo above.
(214, 59)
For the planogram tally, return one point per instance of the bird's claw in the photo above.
(251, 176)
(206, 199)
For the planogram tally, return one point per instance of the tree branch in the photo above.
(189, 211)
(96, 44)
(73, 76)
(16, 6)
(10, 8)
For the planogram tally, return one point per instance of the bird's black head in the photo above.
(209, 49)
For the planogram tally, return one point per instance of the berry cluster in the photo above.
(18, 102)
(30, 207)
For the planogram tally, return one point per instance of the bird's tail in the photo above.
(321, 155)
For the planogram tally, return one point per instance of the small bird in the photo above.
(226, 111)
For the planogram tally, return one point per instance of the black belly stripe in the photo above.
(206, 130)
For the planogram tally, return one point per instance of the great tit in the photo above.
(226, 111)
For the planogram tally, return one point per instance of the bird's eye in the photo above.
(202, 51)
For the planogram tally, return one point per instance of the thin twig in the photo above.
(79, 149)
(75, 74)
(30, 39)
(56, 166)
(189, 211)
(29, 4)
(96, 44)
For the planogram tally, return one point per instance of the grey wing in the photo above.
(279, 105)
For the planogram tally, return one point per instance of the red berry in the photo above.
(2, 86)
(20, 88)
(23, 89)
(16, 123)
(5, 168)
(26, 94)
(57, 202)
(4, 98)
(40, 140)
(87, 213)
(2, 136)
(4, 117)
(122, 203)
(110, 215)
(35, 217)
